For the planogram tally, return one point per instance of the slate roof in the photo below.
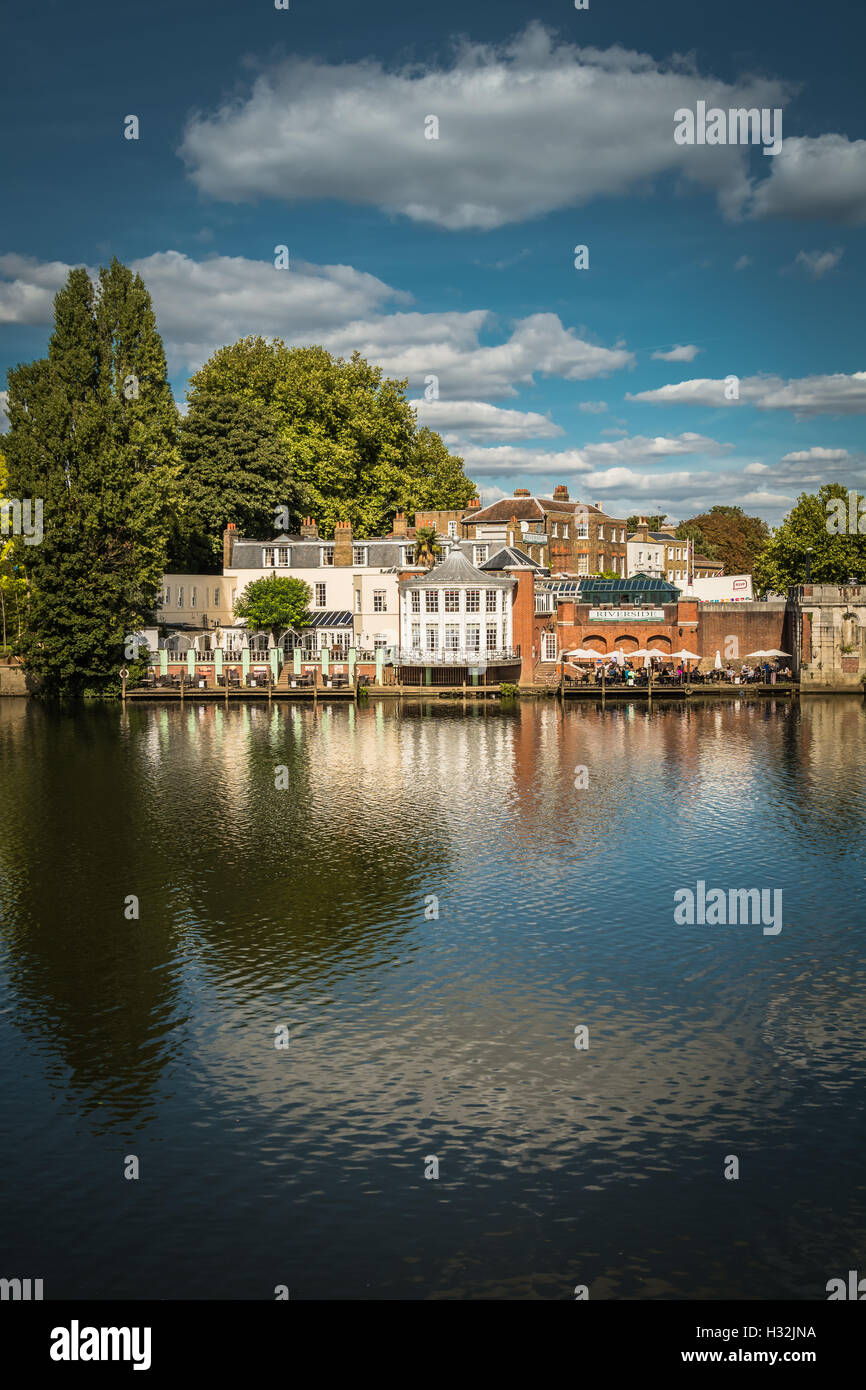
(456, 569)
(509, 558)
(531, 508)
(382, 553)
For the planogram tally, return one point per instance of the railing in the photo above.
(416, 657)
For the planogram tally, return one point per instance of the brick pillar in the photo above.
(523, 621)
(309, 529)
(343, 544)
(229, 537)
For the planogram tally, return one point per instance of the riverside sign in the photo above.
(626, 615)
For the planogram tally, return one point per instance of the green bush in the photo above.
(509, 691)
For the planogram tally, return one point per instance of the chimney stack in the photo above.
(343, 544)
(401, 526)
(475, 504)
(521, 492)
(599, 506)
(560, 493)
(229, 537)
(309, 529)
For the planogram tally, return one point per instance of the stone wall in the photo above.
(829, 624)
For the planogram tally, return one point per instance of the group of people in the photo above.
(767, 673)
(676, 673)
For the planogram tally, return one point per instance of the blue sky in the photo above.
(453, 257)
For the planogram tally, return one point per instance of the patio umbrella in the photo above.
(758, 654)
(774, 651)
(717, 664)
(647, 662)
(581, 654)
(685, 655)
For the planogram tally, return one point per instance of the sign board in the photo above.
(626, 615)
(723, 588)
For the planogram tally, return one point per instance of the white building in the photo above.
(457, 614)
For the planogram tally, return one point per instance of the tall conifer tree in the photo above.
(93, 433)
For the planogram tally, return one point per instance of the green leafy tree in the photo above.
(735, 538)
(92, 433)
(274, 604)
(234, 467)
(836, 555)
(13, 586)
(350, 439)
(688, 531)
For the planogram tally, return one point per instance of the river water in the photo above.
(421, 904)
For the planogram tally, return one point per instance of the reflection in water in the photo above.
(415, 1033)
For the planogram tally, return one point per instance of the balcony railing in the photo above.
(415, 656)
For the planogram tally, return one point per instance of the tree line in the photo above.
(131, 487)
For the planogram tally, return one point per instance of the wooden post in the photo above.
(182, 678)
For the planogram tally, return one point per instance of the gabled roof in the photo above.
(532, 509)
(455, 569)
(523, 508)
(508, 558)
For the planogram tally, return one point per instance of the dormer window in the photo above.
(326, 555)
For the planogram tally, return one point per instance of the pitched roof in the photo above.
(532, 508)
(455, 569)
(508, 558)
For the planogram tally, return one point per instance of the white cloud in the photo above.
(593, 407)
(820, 177)
(201, 305)
(743, 263)
(818, 263)
(767, 499)
(688, 353)
(839, 394)
(480, 420)
(817, 454)
(27, 293)
(505, 459)
(356, 132)
(633, 449)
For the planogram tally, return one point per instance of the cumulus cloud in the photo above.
(817, 454)
(201, 305)
(838, 394)
(688, 353)
(307, 129)
(743, 263)
(817, 177)
(632, 449)
(480, 420)
(818, 263)
(593, 407)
